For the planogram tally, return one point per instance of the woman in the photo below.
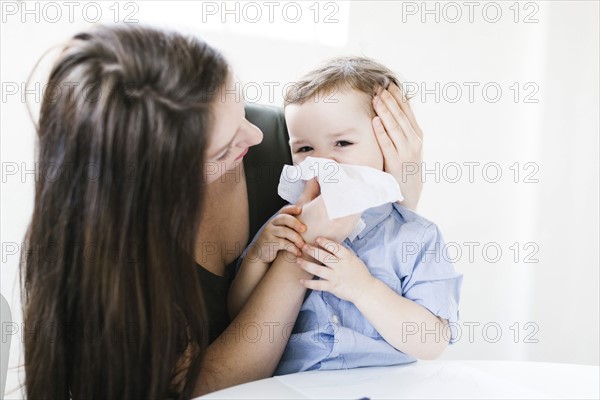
(148, 130)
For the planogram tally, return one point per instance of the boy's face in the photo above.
(336, 126)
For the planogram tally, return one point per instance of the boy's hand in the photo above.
(281, 233)
(314, 215)
(401, 141)
(343, 274)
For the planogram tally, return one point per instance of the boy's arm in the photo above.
(249, 275)
(279, 233)
(404, 324)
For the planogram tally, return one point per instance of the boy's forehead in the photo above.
(339, 94)
(346, 102)
(336, 113)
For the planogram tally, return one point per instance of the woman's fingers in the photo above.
(405, 105)
(406, 140)
(390, 154)
(400, 119)
(391, 125)
(314, 269)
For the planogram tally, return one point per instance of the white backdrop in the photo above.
(507, 95)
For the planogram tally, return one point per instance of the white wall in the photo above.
(558, 216)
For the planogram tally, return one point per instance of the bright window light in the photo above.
(296, 21)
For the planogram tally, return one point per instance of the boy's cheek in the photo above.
(297, 159)
(380, 162)
(369, 157)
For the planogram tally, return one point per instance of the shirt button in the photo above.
(335, 319)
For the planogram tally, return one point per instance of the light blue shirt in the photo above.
(406, 252)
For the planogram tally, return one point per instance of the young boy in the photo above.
(388, 296)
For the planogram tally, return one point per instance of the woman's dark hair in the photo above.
(112, 303)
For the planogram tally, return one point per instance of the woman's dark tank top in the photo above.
(215, 289)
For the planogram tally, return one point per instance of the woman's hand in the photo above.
(401, 141)
(343, 273)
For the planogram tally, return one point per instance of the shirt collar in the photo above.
(372, 217)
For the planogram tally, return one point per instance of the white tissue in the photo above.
(346, 189)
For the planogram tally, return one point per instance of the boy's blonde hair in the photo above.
(342, 73)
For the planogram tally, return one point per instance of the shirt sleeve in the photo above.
(430, 279)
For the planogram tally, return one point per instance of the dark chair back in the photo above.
(264, 162)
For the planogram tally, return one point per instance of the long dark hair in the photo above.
(112, 303)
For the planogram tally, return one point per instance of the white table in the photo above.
(430, 379)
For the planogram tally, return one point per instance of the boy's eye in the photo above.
(304, 149)
(343, 143)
